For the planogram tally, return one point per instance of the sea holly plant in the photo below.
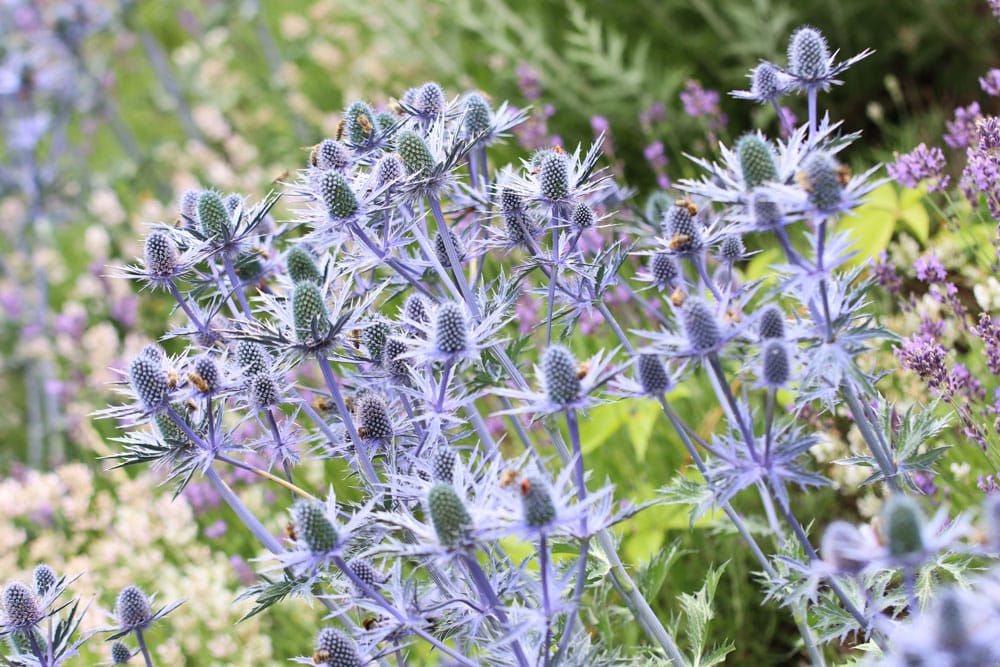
(370, 332)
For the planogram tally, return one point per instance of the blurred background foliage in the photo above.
(228, 93)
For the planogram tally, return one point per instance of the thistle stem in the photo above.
(456, 265)
(243, 513)
(142, 647)
(881, 455)
(482, 582)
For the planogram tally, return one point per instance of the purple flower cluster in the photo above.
(919, 165)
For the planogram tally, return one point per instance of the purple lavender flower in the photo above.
(961, 131)
(921, 164)
(930, 269)
(991, 82)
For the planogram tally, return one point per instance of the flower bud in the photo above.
(415, 309)
(132, 608)
(149, 381)
(700, 325)
(120, 654)
(808, 54)
(822, 180)
(652, 374)
(366, 572)
(442, 251)
(389, 169)
(443, 463)
(213, 216)
(233, 203)
(335, 649)
(385, 121)
(448, 513)
(309, 312)
(553, 176)
(663, 267)
(160, 254)
(330, 154)
(451, 334)
(312, 527)
(170, 432)
(263, 391)
(372, 416)
(510, 200)
(772, 323)
(375, 337)
(732, 248)
(359, 122)
(683, 231)
(559, 375)
(302, 266)
(189, 204)
(902, 523)
(765, 82)
(756, 160)
(430, 99)
(252, 358)
(398, 367)
(775, 365)
(416, 155)
(20, 605)
(583, 216)
(536, 502)
(44, 579)
(478, 115)
(336, 194)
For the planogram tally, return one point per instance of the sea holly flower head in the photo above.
(134, 612)
(810, 63)
(563, 383)
(767, 85)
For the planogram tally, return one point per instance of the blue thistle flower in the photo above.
(302, 266)
(233, 203)
(757, 162)
(772, 323)
(663, 269)
(732, 248)
(653, 376)
(252, 358)
(448, 514)
(149, 381)
(133, 609)
(359, 122)
(337, 195)
(536, 502)
(451, 331)
(44, 579)
(430, 99)
(375, 336)
(20, 606)
(560, 375)
(478, 115)
(775, 367)
(443, 463)
(385, 121)
(700, 325)
(120, 654)
(394, 360)
(366, 572)
(330, 154)
(415, 310)
(263, 391)
(312, 527)
(372, 416)
(160, 255)
(415, 153)
(335, 649)
(213, 216)
(442, 251)
(682, 229)
(388, 169)
(583, 216)
(821, 179)
(188, 206)
(206, 376)
(553, 176)
(309, 312)
(808, 54)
